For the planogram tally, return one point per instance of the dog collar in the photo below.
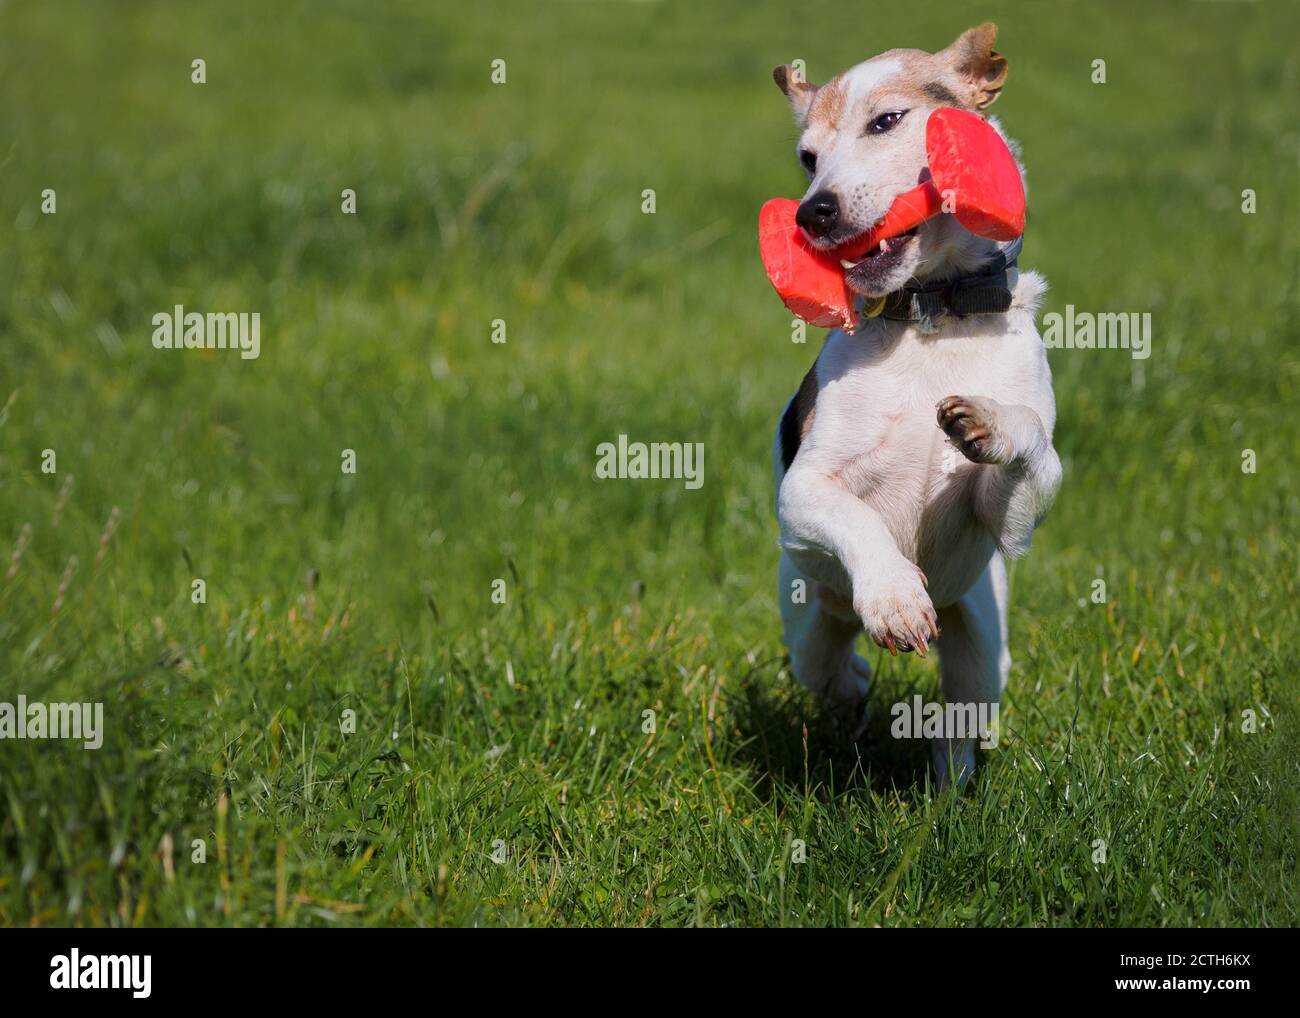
(987, 292)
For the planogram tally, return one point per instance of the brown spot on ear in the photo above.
(798, 418)
(982, 71)
(799, 92)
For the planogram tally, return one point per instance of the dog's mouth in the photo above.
(869, 269)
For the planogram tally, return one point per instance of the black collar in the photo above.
(987, 292)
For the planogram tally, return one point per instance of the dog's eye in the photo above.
(809, 160)
(885, 122)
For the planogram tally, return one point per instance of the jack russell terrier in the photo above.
(917, 454)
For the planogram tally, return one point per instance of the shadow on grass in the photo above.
(793, 740)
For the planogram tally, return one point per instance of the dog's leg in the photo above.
(889, 596)
(1013, 496)
(973, 665)
(819, 630)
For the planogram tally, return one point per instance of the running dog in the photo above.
(917, 454)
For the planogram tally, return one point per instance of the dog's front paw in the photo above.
(896, 611)
(973, 423)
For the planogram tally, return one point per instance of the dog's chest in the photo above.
(876, 430)
(877, 406)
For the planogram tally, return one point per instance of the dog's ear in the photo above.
(799, 92)
(980, 71)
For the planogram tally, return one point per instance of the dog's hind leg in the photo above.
(819, 630)
(973, 667)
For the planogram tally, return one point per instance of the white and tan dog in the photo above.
(917, 454)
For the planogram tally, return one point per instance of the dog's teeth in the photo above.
(848, 264)
(884, 245)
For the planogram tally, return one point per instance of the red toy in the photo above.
(811, 282)
(970, 167)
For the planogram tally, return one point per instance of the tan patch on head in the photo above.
(828, 105)
(938, 92)
(922, 81)
(967, 74)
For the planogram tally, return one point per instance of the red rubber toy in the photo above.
(971, 168)
(811, 282)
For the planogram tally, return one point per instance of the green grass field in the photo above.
(520, 725)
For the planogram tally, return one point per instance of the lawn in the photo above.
(417, 693)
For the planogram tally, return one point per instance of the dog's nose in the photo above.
(819, 214)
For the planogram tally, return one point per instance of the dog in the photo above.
(916, 456)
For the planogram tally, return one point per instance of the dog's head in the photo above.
(863, 144)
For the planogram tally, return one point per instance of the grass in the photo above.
(520, 724)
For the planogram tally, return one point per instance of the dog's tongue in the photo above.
(809, 282)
